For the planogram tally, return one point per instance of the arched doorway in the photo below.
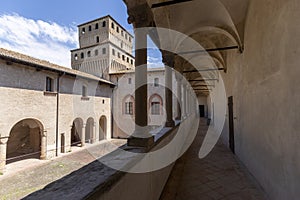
(89, 130)
(24, 141)
(102, 128)
(76, 132)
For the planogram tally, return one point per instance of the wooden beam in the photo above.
(203, 80)
(168, 3)
(202, 70)
(209, 50)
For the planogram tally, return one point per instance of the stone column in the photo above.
(168, 59)
(3, 146)
(141, 137)
(188, 101)
(83, 135)
(43, 145)
(184, 113)
(179, 96)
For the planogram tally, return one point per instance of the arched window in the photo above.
(89, 54)
(76, 56)
(83, 30)
(97, 39)
(96, 26)
(82, 55)
(103, 23)
(156, 104)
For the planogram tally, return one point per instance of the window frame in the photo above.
(155, 108)
(128, 108)
(156, 82)
(49, 84)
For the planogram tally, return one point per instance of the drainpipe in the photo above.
(57, 110)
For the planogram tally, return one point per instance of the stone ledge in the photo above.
(97, 178)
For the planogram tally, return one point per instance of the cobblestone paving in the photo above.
(25, 177)
(219, 176)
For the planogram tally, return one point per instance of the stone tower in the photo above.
(105, 47)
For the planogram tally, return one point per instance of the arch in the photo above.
(128, 105)
(25, 140)
(230, 33)
(76, 132)
(156, 104)
(102, 127)
(89, 130)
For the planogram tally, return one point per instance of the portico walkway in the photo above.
(217, 176)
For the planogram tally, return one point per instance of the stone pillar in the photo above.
(188, 100)
(3, 146)
(141, 137)
(83, 135)
(168, 59)
(184, 111)
(43, 145)
(179, 96)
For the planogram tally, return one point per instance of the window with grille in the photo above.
(129, 108)
(155, 108)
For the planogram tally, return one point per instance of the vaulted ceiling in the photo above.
(217, 26)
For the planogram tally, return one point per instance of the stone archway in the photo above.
(76, 132)
(25, 141)
(102, 128)
(89, 130)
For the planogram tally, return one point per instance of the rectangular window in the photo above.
(129, 80)
(49, 84)
(104, 51)
(84, 91)
(113, 52)
(90, 28)
(83, 30)
(129, 108)
(156, 82)
(155, 108)
(112, 25)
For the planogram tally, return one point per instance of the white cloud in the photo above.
(44, 40)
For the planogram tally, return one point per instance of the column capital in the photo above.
(3, 140)
(140, 16)
(168, 59)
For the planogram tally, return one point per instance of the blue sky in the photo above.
(48, 29)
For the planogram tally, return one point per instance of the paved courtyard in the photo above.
(218, 176)
(24, 177)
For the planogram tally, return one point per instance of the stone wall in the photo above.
(264, 82)
(23, 97)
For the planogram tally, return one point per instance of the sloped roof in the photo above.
(16, 57)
